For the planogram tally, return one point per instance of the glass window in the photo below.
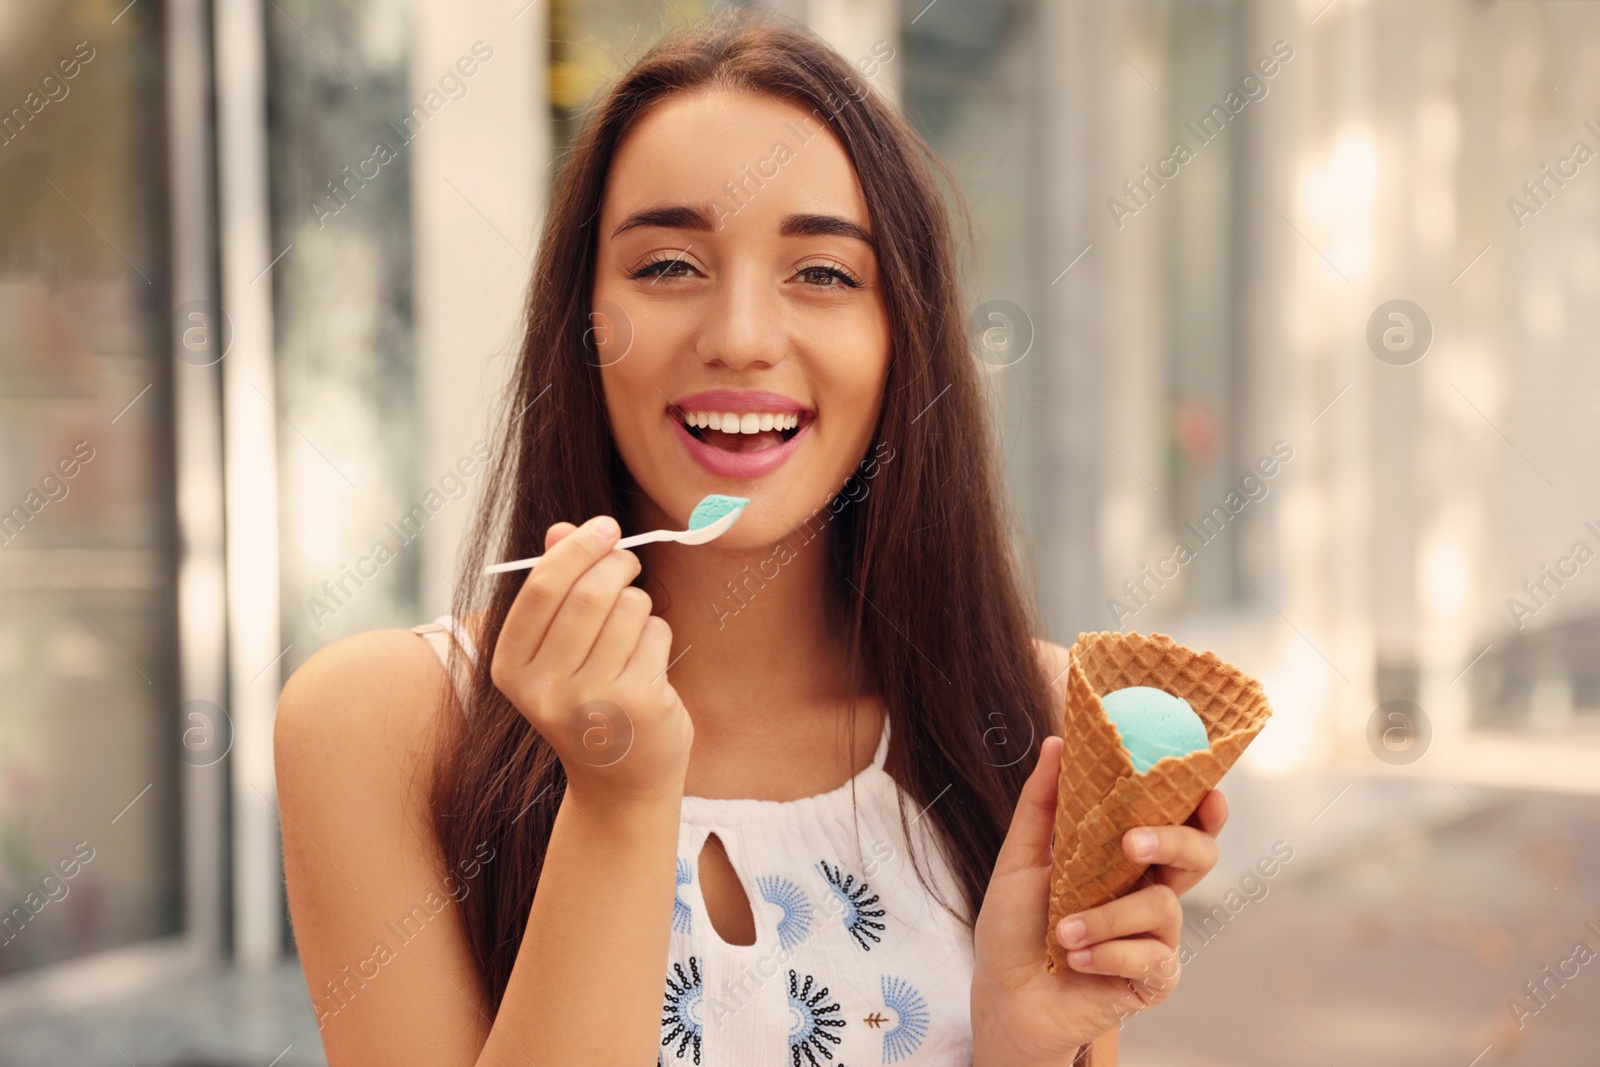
(342, 125)
(89, 842)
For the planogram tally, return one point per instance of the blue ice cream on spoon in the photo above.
(1154, 724)
(714, 507)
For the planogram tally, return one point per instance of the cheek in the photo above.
(860, 400)
(626, 394)
(631, 378)
(610, 335)
(853, 368)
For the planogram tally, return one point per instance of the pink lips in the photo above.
(738, 464)
(740, 401)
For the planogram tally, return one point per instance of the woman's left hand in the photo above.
(1124, 960)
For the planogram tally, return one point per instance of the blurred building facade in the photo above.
(261, 279)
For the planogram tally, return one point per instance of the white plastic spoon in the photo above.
(711, 518)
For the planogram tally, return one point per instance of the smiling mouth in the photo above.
(738, 441)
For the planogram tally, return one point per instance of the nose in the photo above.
(744, 324)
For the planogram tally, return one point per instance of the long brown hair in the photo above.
(937, 615)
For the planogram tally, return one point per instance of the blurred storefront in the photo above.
(91, 827)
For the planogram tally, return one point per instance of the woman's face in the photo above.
(739, 321)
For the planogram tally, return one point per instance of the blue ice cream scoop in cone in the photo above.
(1153, 724)
(1148, 729)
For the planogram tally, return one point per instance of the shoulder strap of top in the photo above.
(440, 634)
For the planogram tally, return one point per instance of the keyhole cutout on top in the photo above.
(724, 895)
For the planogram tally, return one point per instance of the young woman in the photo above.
(785, 797)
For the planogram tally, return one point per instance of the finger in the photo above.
(583, 613)
(556, 533)
(1181, 848)
(1211, 815)
(1153, 911)
(1027, 842)
(547, 585)
(648, 664)
(619, 636)
(1140, 959)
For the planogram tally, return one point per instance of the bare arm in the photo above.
(391, 979)
(588, 982)
(354, 743)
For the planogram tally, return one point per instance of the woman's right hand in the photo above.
(585, 661)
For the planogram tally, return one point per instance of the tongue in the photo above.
(744, 442)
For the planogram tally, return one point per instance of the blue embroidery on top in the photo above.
(795, 925)
(858, 899)
(812, 1019)
(680, 1012)
(681, 917)
(911, 1018)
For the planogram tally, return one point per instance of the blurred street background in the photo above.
(1283, 304)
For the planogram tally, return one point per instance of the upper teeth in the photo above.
(733, 422)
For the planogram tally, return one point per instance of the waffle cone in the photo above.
(1100, 796)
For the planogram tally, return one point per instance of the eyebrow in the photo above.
(698, 217)
(806, 225)
(672, 217)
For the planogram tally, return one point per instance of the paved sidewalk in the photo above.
(224, 1019)
(1405, 953)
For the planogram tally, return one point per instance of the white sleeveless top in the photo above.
(854, 963)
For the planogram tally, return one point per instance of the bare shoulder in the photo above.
(1054, 660)
(375, 692)
(356, 741)
(357, 737)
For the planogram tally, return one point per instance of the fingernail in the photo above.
(1078, 957)
(605, 529)
(1144, 843)
(1072, 931)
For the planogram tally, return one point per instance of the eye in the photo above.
(665, 265)
(818, 274)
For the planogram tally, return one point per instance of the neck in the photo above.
(754, 632)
